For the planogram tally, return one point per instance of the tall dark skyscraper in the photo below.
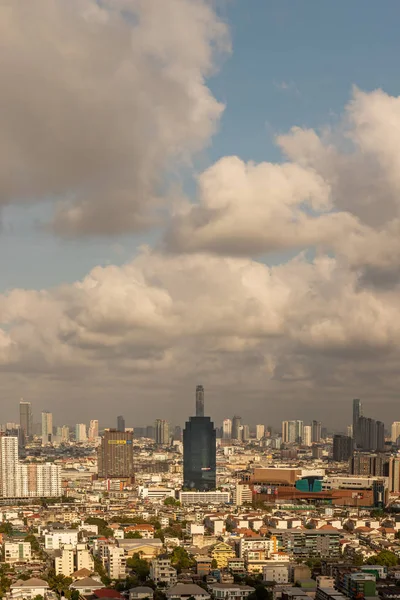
(115, 454)
(236, 431)
(199, 452)
(25, 419)
(199, 401)
(357, 414)
(120, 423)
(316, 432)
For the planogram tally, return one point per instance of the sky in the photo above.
(200, 192)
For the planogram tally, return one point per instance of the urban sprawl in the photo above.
(205, 513)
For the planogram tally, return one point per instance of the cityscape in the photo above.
(199, 300)
(229, 511)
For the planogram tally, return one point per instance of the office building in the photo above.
(316, 432)
(161, 430)
(236, 424)
(120, 423)
(292, 432)
(63, 433)
(349, 431)
(80, 432)
(199, 401)
(93, 432)
(178, 433)
(226, 429)
(357, 414)
(25, 419)
(115, 454)
(395, 433)
(367, 464)
(199, 454)
(260, 432)
(371, 435)
(307, 435)
(342, 448)
(47, 427)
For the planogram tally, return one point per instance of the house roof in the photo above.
(187, 589)
(142, 589)
(30, 583)
(81, 573)
(87, 582)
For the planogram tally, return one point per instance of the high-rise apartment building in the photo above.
(25, 419)
(316, 432)
(395, 433)
(342, 448)
(199, 401)
(394, 474)
(292, 432)
(9, 475)
(80, 432)
(115, 454)
(236, 424)
(199, 454)
(260, 432)
(245, 433)
(63, 434)
(226, 429)
(371, 434)
(120, 423)
(161, 430)
(25, 480)
(307, 435)
(93, 432)
(47, 427)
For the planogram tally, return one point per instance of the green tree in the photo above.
(33, 542)
(180, 559)
(171, 502)
(139, 566)
(214, 564)
(133, 535)
(384, 559)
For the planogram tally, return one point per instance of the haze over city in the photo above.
(200, 192)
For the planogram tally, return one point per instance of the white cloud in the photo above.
(98, 99)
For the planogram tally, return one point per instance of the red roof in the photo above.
(107, 593)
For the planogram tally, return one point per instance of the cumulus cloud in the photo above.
(239, 324)
(98, 100)
(338, 191)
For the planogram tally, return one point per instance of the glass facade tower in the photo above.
(199, 454)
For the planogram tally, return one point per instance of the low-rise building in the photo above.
(17, 552)
(161, 571)
(230, 591)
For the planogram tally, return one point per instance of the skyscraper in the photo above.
(115, 454)
(307, 435)
(161, 430)
(80, 432)
(357, 414)
(120, 423)
(93, 430)
(395, 433)
(199, 401)
(236, 423)
(199, 454)
(260, 432)
(226, 429)
(245, 433)
(25, 419)
(342, 448)
(316, 432)
(47, 427)
(9, 472)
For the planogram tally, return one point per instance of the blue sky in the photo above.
(293, 62)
